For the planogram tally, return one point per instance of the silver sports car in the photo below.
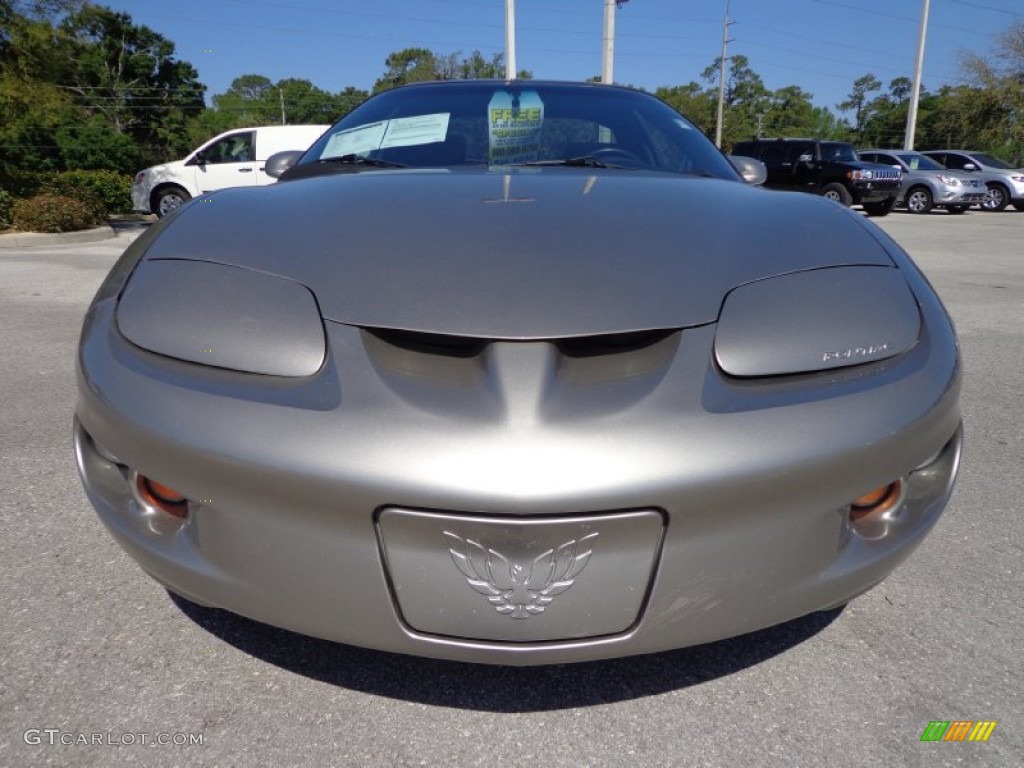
(519, 373)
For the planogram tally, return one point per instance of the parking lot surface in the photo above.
(95, 652)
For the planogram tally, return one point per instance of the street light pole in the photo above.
(510, 39)
(915, 94)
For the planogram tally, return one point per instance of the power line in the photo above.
(866, 12)
(989, 8)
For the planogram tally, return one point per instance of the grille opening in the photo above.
(432, 343)
(471, 346)
(611, 343)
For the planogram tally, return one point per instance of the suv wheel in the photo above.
(879, 209)
(996, 199)
(837, 193)
(919, 200)
(169, 199)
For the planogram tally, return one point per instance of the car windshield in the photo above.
(992, 162)
(918, 162)
(519, 123)
(837, 152)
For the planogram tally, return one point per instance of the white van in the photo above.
(232, 159)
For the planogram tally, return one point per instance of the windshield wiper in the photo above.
(353, 159)
(584, 161)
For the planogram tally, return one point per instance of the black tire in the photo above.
(919, 200)
(169, 199)
(998, 198)
(837, 193)
(880, 209)
(957, 208)
(1019, 206)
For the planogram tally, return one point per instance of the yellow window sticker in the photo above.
(514, 122)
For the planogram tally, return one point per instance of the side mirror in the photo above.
(970, 167)
(753, 171)
(196, 159)
(279, 162)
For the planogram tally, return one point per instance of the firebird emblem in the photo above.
(516, 590)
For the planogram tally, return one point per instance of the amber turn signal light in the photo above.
(876, 502)
(162, 497)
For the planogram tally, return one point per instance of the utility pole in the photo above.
(510, 39)
(280, 94)
(915, 95)
(721, 76)
(608, 61)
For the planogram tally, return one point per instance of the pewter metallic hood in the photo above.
(538, 253)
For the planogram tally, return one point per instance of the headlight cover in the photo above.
(227, 317)
(816, 320)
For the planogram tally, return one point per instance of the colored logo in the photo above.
(958, 730)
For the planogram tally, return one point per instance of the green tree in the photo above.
(858, 100)
(95, 145)
(417, 65)
(128, 75)
(745, 97)
(693, 102)
(1000, 75)
(32, 106)
(347, 100)
(960, 116)
(790, 112)
(410, 65)
(249, 100)
(254, 100)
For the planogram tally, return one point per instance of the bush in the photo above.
(106, 191)
(6, 209)
(54, 213)
(24, 183)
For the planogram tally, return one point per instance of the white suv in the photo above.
(233, 159)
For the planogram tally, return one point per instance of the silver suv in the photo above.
(926, 184)
(1005, 184)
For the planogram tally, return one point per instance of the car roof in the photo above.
(495, 82)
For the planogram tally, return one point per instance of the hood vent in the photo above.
(431, 343)
(611, 343)
(469, 346)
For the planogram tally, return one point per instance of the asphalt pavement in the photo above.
(100, 667)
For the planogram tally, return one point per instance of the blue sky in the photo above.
(819, 45)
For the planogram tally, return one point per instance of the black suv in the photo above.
(828, 168)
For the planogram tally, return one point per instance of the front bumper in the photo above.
(290, 483)
(140, 197)
(875, 191)
(960, 195)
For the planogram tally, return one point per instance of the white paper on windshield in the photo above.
(514, 124)
(410, 131)
(355, 141)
